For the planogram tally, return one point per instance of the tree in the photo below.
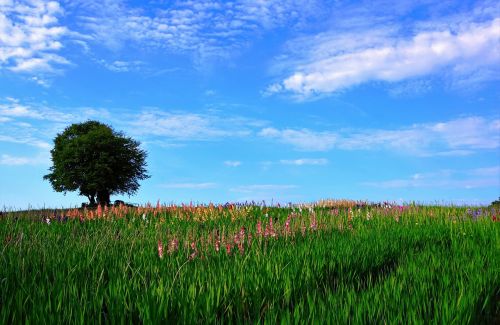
(97, 161)
(496, 203)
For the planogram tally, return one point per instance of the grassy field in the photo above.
(337, 262)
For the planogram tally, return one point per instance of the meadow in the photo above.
(332, 262)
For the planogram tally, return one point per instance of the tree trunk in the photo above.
(103, 198)
(91, 199)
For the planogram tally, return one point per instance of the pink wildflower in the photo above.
(241, 248)
(217, 242)
(259, 228)
(272, 233)
(195, 251)
(173, 246)
(242, 234)
(314, 224)
(160, 249)
(287, 225)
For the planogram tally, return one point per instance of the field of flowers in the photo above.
(330, 262)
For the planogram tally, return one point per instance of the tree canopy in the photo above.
(92, 158)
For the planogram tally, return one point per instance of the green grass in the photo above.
(420, 265)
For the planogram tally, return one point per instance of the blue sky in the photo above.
(240, 100)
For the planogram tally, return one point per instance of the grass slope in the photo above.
(323, 265)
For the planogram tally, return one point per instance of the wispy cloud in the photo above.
(13, 108)
(232, 163)
(17, 110)
(190, 126)
(493, 172)
(35, 125)
(339, 59)
(206, 29)
(41, 159)
(455, 137)
(122, 66)
(190, 186)
(305, 161)
(302, 139)
(30, 36)
(267, 192)
(263, 188)
(153, 126)
(458, 179)
(411, 88)
(31, 141)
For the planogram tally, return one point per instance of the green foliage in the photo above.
(95, 160)
(496, 203)
(432, 265)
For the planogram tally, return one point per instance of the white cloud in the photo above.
(44, 64)
(272, 89)
(191, 186)
(30, 36)
(461, 136)
(471, 132)
(331, 62)
(41, 81)
(232, 163)
(305, 161)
